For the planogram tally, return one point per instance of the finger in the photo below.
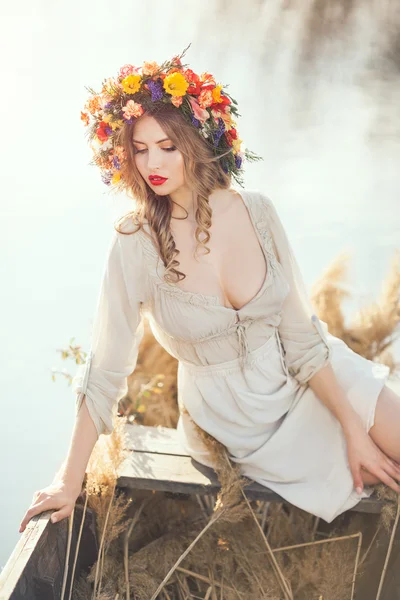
(383, 476)
(357, 478)
(395, 465)
(61, 514)
(35, 509)
(391, 470)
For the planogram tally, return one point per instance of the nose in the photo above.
(154, 160)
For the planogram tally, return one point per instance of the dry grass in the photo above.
(178, 547)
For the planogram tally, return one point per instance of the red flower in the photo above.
(101, 133)
(191, 76)
(208, 86)
(194, 89)
(231, 135)
(194, 82)
(225, 100)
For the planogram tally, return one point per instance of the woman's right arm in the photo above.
(101, 381)
(62, 493)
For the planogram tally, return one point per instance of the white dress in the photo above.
(242, 374)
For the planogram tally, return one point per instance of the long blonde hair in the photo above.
(203, 174)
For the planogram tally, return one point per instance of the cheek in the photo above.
(139, 162)
(177, 164)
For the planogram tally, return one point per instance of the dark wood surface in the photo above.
(157, 461)
(35, 570)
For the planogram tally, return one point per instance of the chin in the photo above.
(164, 192)
(165, 189)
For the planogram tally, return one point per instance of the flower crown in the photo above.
(204, 104)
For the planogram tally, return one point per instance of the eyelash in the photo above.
(171, 149)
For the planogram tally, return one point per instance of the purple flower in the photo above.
(108, 130)
(156, 89)
(225, 168)
(238, 161)
(195, 121)
(219, 132)
(116, 162)
(106, 177)
(108, 105)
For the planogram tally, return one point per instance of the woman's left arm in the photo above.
(308, 355)
(363, 453)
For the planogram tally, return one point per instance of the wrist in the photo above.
(71, 484)
(351, 424)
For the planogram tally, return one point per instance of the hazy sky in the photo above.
(321, 109)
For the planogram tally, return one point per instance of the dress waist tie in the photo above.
(244, 346)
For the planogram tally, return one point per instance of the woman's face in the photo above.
(156, 155)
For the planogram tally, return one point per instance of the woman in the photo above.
(299, 410)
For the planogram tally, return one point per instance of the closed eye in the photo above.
(170, 149)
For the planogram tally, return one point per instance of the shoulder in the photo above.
(127, 224)
(259, 203)
(124, 244)
(223, 200)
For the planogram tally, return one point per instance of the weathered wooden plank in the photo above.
(181, 474)
(158, 462)
(159, 440)
(35, 569)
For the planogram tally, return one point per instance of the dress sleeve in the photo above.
(304, 336)
(118, 328)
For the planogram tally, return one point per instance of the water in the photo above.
(318, 90)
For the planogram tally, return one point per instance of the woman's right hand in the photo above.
(57, 496)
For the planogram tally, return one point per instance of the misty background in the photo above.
(318, 87)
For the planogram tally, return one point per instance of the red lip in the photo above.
(155, 180)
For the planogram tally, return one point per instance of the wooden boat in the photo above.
(37, 570)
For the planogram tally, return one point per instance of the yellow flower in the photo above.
(150, 68)
(175, 84)
(236, 145)
(131, 84)
(216, 94)
(115, 124)
(116, 177)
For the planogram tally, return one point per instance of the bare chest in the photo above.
(235, 269)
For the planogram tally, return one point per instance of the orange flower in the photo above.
(93, 105)
(150, 68)
(207, 79)
(176, 101)
(205, 98)
(127, 70)
(132, 109)
(85, 118)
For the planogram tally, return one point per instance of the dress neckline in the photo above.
(198, 297)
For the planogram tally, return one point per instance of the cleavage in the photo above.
(234, 264)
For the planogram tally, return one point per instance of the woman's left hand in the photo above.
(363, 453)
